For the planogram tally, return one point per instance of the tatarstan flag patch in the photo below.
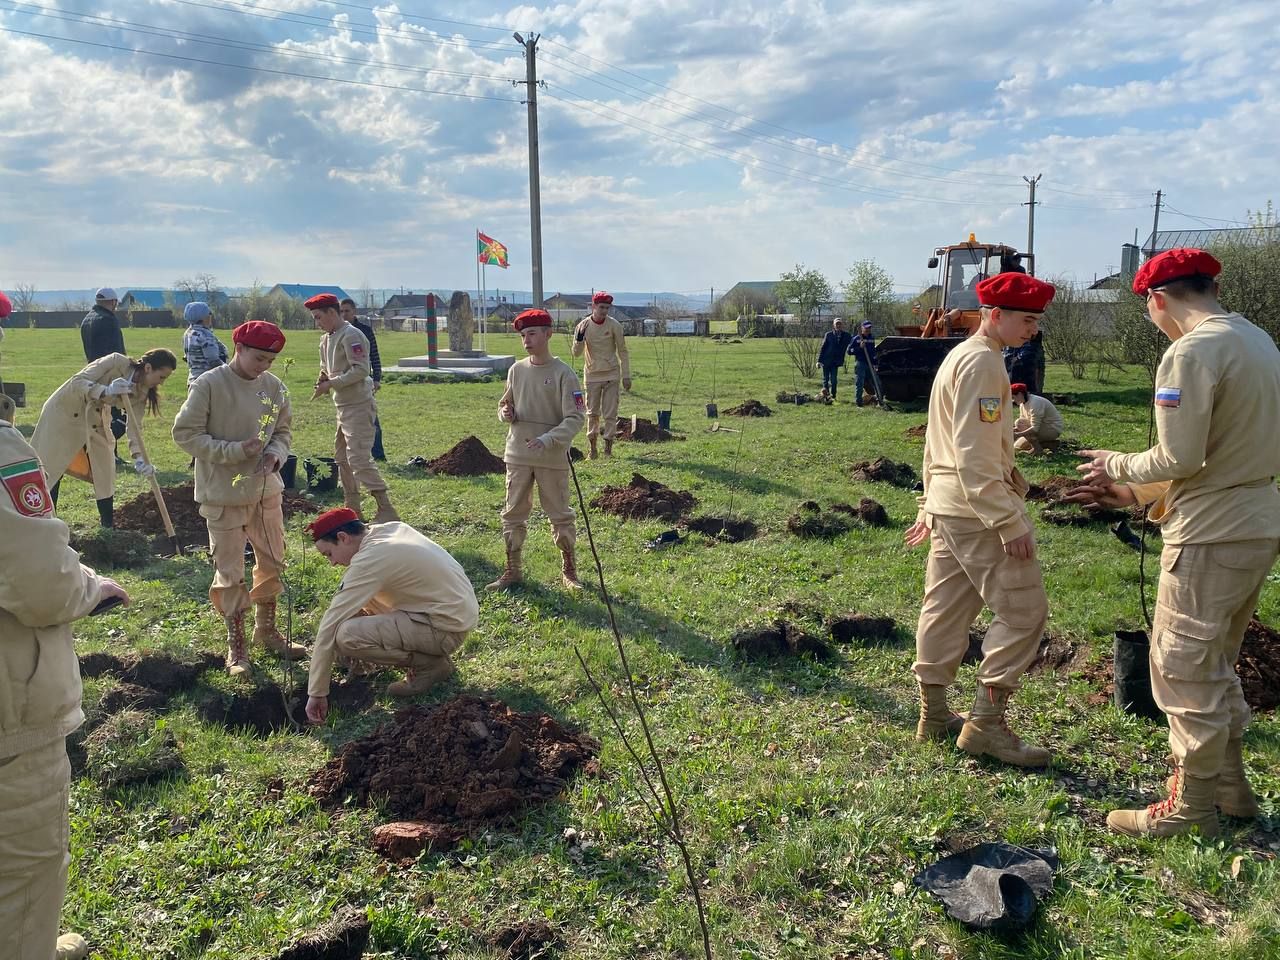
(25, 483)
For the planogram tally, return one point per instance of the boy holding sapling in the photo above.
(545, 407)
(236, 423)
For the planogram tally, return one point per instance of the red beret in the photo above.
(1174, 265)
(1015, 291)
(601, 296)
(321, 301)
(260, 335)
(532, 318)
(1017, 388)
(6, 307)
(330, 521)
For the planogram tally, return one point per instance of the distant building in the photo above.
(305, 291)
(1164, 240)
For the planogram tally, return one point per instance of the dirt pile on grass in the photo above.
(781, 638)
(863, 630)
(867, 511)
(1052, 489)
(142, 515)
(343, 937)
(810, 521)
(749, 408)
(530, 940)
(884, 470)
(469, 457)
(642, 499)
(916, 432)
(799, 399)
(728, 529)
(643, 431)
(462, 765)
(1259, 666)
(104, 547)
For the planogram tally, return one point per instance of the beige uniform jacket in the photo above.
(43, 589)
(549, 405)
(968, 447)
(222, 410)
(1212, 471)
(344, 359)
(1040, 413)
(396, 568)
(75, 411)
(605, 345)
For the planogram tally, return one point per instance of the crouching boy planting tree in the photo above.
(403, 602)
(236, 423)
(545, 407)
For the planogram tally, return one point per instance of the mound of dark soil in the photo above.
(917, 431)
(884, 470)
(469, 457)
(142, 515)
(161, 671)
(778, 639)
(799, 399)
(1057, 654)
(1052, 489)
(1073, 515)
(106, 548)
(530, 940)
(643, 431)
(343, 937)
(868, 511)
(642, 499)
(1259, 666)
(1063, 399)
(861, 629)
(131, 696)
(811, 521)
(467, 763)
(730, 529)
(749, 408)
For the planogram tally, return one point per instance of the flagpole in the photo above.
(478, 289)
(484, 296)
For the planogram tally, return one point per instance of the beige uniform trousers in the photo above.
(1207, 594)
(602, 405)
(968, 568)
(1045, 434)
(261, 524)
(400, 639)
(35, 790)
(553, 494)
(353, 447)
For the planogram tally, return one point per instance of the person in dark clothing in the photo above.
(348, 311)
(101, 336)
(831, 356)
(1025, 364)
(863, 349)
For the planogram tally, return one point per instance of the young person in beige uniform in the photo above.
(604, 341)
(73, 435)
(543, 404)
(1211, 481)
(238, 457)
(1038, 423)
(982, 544)
(404, 601)
(345, 373)
(44, 589)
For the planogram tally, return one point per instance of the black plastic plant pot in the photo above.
(664, 419)
(322, 473)
(713, 411)
(289, 472)
(1133, 674)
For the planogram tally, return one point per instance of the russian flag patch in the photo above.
(1168, 397)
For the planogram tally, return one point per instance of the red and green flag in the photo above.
(490, 252)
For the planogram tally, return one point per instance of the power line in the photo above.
(416, 16)
(1205, 220)
(267, 70)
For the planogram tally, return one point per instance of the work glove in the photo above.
(118, 387)
(581, 332)
(144, 469)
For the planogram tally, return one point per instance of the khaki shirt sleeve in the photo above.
(979, 447)
(1150, 492)
(282, 433)
(356, 348)
(358, 587)
(620, 341)
(1033, 413)
(561, 435)
(1182, 431)
(191, 429)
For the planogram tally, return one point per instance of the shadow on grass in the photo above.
(732, 480)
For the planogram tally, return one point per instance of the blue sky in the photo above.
(684, 145)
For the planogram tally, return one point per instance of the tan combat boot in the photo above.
(386, 512)
(937, 720)
(569, 569)
(266, 633)
(608, 446)
(237, 649)
(420, 679)
(591, 449)
(1235, 797)
(987, 733)
(511, 575)
(1188, 806)
(71, 946)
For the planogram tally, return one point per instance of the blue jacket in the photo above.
(856, 347)
(834, 346)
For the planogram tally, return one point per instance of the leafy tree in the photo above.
(870, 288)
(804, 291)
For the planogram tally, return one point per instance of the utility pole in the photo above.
(1155, 226)
(1031, 220)
(535, 199)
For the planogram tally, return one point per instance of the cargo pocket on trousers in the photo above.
(1187, 649)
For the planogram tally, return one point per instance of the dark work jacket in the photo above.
(834, 345)
(101, 334)
(857, 345)
(375, 359)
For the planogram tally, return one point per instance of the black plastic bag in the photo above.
(993, 885)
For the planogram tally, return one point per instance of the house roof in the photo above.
(156, 298)
(305, 291)
(1171, 239)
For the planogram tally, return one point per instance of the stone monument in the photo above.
(462, 325)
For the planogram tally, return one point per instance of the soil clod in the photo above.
(749, 408)
(467, 763)
(643, 431)
(810, 521)
(530, 940)
(642, 499)
(344, 937)
(469, 457)
(868, 511)
(728, 529)
(861, 629)
(141, 514)
(780, 638)
(1052, 489)
(884, 470)
(1259, 666)
(916, 431)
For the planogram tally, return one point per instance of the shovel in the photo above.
(135, 432)
(716, 428)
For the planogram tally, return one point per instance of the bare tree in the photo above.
(23, 297)
(1070, 328)
(801, 342)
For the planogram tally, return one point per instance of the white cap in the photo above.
(105, 293)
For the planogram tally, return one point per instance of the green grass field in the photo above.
(805, 796)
